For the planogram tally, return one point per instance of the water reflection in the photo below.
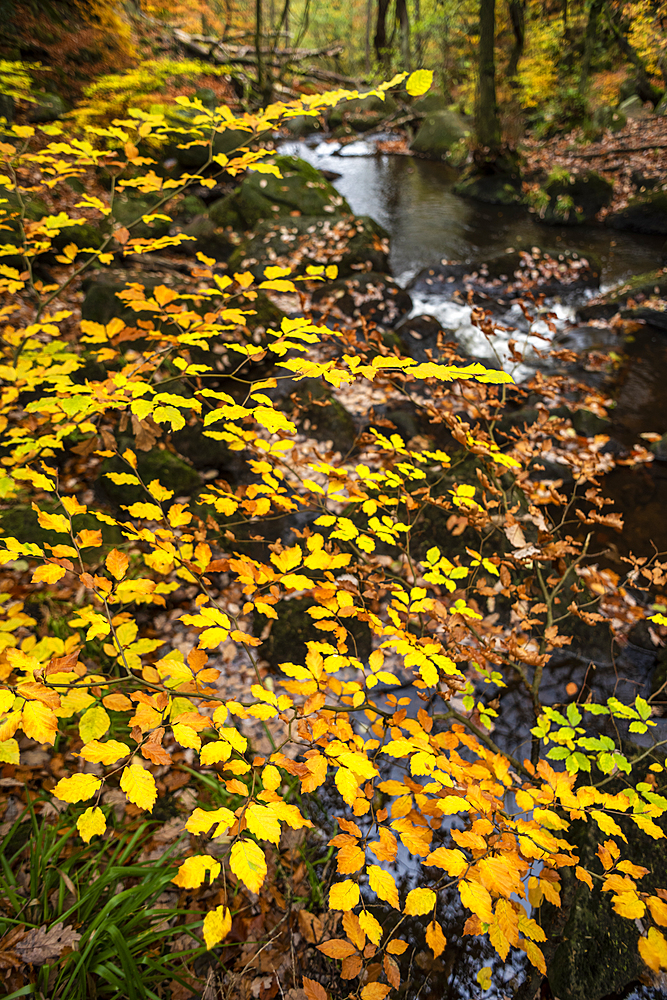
(413, 199)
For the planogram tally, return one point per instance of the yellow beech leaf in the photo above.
(192, 872)
(658, 908)
(484, 977)
(91, 823)
(214, 753)
(48, 573)
(344, 895)
(263, 823)
(139, 786)
(202, 820)
(419, 901)
(350, 859)
(435, 939)
(454, 862)
(347, 785)
(248, 863)
(373, 930)
(78, 788)
(117, 562)
(186, 736)
(39, 722)
(117, 702)
(383, 885)
(94, 723)
(217, 925)
(628, 904)
(54, 522)
(477, 898)
(419, 82)
(9, 752)
(653, 949)
(104, 753)
(271, 778)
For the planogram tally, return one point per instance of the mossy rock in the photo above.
(637, 287)
(48, 108)
(322, 417)
(439, 133)
(101, 303)
(129, 211)
(647, 214)
(209, 238)
(430, 103)
(576, 198)
(190, 206)
(302, 125)
(294, 627)
(302, 190)
(610, 118)
(161, 464)
(359, 242)
(84, 237)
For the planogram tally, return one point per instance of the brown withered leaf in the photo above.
(146, 433)
(43, 944)
(351, 967)
(314, 990)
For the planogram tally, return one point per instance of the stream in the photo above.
(429, 225)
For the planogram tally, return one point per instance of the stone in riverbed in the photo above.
(302, 190)
(439, 134)
(575, 198)
(647, 214)
(374, 296)
(639, 289)
(352, 243)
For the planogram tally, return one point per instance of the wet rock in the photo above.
(319, 415)
(631, 293)
(302, 190)
(209, 239)
(374, 296)
(419, 337)
(495, 181)
(439, 133)
(49, 108)
(352, 243)
(588, 424)
(430, 103)
(129, 211)
(575, 198)
(646, 214)
(303, 125)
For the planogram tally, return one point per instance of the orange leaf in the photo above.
(391, 971)
(117, 562)
(350, 859)
(314, 990)
(397, 947)
(337, 948)
(49, 573)
(435, 939)
(375, 991)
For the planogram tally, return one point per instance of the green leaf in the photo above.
(573, 714)
(419, 82)
(558, 753)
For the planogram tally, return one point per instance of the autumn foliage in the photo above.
(463, 563)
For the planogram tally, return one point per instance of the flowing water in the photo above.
(428, 224)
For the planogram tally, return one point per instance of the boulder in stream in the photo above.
(640, 297)
(362, 114)
(440, 134)
(302, 190)
(646, 214)
(574, 199)
(374, 296)
(352, 243)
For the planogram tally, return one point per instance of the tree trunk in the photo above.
(517, 10)
(369, 15)
(382, 51)
(594, 12)
(487, 124)
(404, 24)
